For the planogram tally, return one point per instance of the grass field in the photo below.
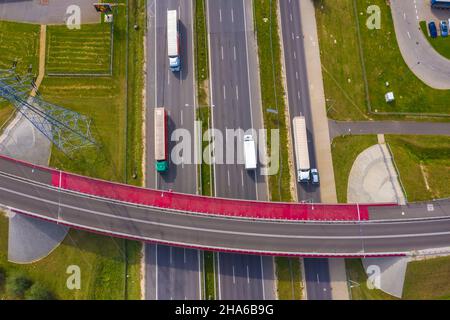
(272, 91)
(289, 278)
(83, 51)
(357, 277)
(440, 44)
(209, 276)
(345, 150)
(425, 279)
(135, 87)
(112, 103)
(18, 42)
(201, 49)
(101, 261)
(422, 160)
(383, 63)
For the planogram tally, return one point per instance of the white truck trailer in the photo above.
(161, 158)
(173, 41)
(301, 149)
(249, 153)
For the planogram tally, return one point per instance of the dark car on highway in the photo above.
(433, 29)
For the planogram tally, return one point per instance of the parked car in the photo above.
(314, 176)
(444, 28)
(433, 29)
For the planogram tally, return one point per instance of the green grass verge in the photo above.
(419, 158)
(343, 71)
(440, 44)
(101, 261)
(272, 94)
(358, 283)
(135, 87)
(289, 278)
(201, 49)
(206, 170)
(428, 279)
(83, 51)
(105, 101)
(18, 42)
(345, 150)
(272, 91)
(204, 115)
(210, 276)
(425, 279)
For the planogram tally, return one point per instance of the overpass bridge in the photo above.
(252, 227)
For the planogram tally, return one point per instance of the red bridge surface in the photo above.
(208, 205)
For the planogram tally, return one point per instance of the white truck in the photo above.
(161, 158)
(249, 153)
(173, 41)
(301, 149)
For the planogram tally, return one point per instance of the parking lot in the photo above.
(37, 11)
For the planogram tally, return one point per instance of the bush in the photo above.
(38, 292)
(16, 285)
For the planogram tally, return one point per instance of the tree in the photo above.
(38, 292)
(16, 285)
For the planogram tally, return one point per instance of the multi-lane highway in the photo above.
(300, 105)
(171, 273)
(29, 190)
(235, 97)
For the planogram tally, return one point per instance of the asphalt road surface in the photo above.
(300, 105)
(422, 59)
(175, 273)
(317, 277)
(339, 128)
(234, 96)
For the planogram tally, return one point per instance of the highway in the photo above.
(300, 105)
(171, 273)
(235, 97)
(29, 192)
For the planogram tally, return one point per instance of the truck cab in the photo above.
(173, 41)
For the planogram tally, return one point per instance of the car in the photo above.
(314, 176)
(433, 29)
(444, 28)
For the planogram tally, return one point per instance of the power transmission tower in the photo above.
(66, 129)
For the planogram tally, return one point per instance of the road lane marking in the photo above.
(248, 276)
(262, 278)
(220, 15)
(221, 49)
(234, 53)
(237, 93)
(232, 15)
(228, 175)
(224, 93)
(234, 278)
(156, 263)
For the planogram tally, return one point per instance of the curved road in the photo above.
(427, 64)
(382, 237)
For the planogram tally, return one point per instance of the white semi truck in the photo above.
(173, 41)
(161, 157)
(301, 149)
(249, 153)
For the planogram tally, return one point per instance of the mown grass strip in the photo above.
(201, 48)
(135, 87)
(289, 278)
(83, 51)
(272, 91)
(204, 116)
